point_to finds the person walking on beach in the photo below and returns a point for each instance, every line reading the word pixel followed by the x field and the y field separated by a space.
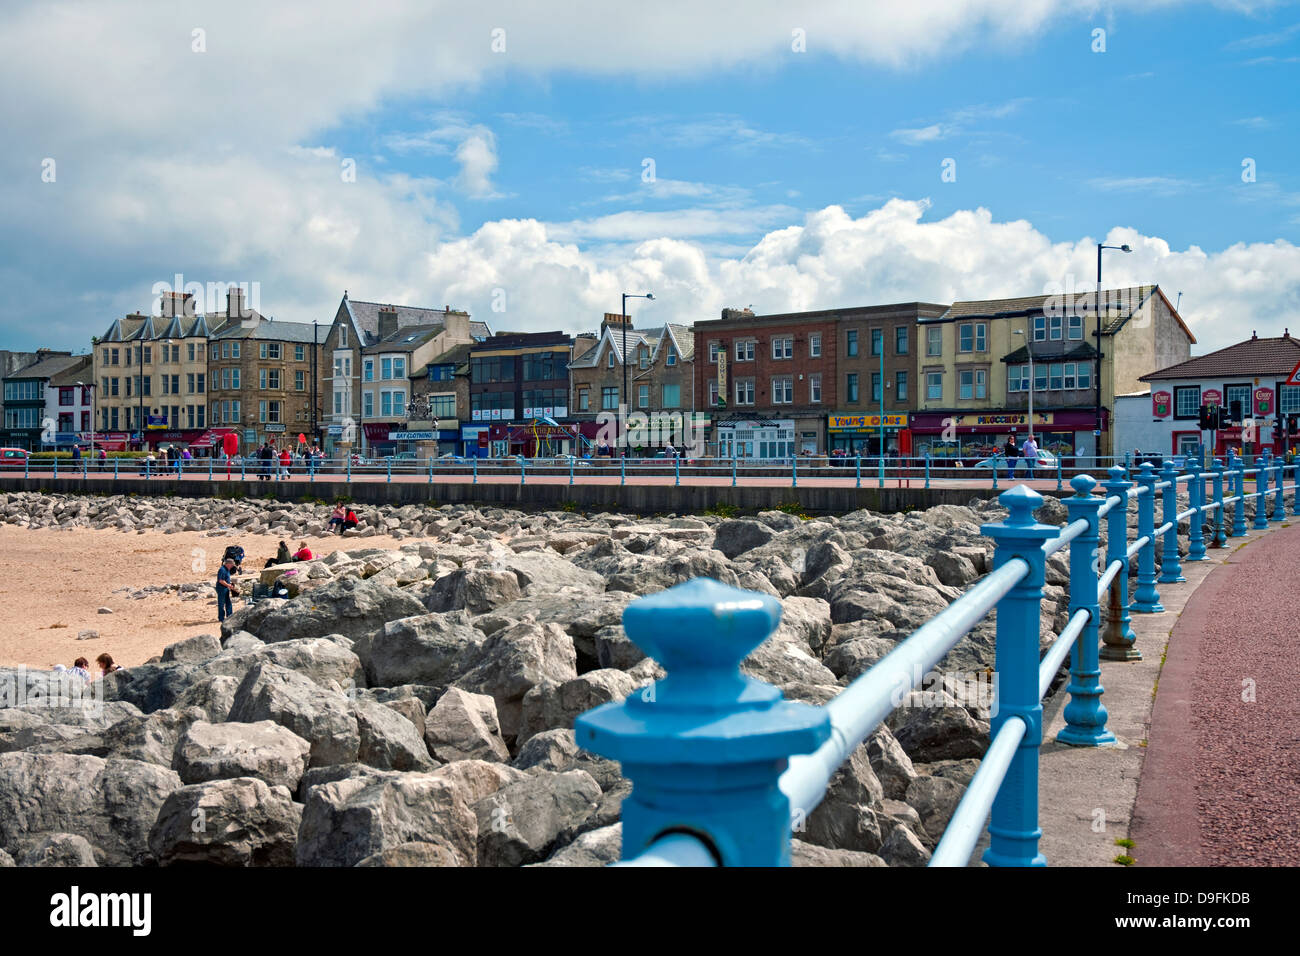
pixel 225 588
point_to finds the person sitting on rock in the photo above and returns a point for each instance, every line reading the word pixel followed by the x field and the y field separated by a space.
pixel 303 553
pixel 337 518
pixel 106 665
pixel 350 520
pixel 80 667
pixel 282 555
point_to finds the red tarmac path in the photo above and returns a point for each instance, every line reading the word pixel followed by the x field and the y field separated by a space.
pixel 1220 785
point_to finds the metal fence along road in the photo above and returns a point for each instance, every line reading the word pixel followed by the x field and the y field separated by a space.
pixel 722 767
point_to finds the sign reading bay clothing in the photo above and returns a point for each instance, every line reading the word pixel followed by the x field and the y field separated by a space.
pixel 410 436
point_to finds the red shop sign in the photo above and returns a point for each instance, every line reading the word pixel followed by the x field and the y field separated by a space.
pixel 1160 402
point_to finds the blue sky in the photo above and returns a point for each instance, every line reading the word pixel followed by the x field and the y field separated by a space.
pixel 782 179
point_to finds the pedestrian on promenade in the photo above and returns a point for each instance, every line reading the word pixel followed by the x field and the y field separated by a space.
pixel 1012 453
pixel 268 462
pixel 225 588
pixel 286 460
pixel 103 460
pixel 76 453
pixel 1029 451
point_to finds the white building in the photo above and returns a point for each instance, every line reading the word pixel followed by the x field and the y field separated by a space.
pixel 1251 375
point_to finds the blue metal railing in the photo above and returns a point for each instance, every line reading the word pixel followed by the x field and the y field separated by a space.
pixel 722 767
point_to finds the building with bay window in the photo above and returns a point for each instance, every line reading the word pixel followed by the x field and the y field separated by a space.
pixel 975 377
pixel 27 394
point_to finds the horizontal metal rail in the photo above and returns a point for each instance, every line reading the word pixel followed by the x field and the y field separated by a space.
pixel 1137 546
pixel 1072 531
pixel 858 709
pixel 1186 514
pixel 1060 647
pixel 1104 581
pixel 1111 502
pixel 675 849
pixel 967 822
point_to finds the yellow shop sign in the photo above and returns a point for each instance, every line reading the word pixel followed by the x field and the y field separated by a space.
pixel 851 423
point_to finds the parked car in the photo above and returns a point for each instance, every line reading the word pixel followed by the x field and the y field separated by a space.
pixel 11 458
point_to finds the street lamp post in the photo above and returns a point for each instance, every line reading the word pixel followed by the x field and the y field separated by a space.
pixel 623 316
pixel 1100 246
pixel 1030 349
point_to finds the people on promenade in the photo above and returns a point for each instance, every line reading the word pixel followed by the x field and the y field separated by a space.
pixel 286 461
pixel 1012 453
pixel 225 589
pixel 1029 451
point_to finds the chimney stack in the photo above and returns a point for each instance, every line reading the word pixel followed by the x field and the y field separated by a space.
pixel 387 320
pixel 737 313
pixel 176 304
pixel 235 303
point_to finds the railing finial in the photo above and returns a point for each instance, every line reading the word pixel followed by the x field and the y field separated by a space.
pixel 1083 485
pixel 705 746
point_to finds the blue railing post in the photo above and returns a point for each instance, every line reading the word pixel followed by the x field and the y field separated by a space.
pixel 1013 829
pixel 705 746
pixel 389 462
pixel 523 468
pixel 1171 569
pixel 1195 500
pixel 1059 475
pixel 794 472
pixel 622 470
pixel 148 469
pixel 349 468
pixel 56 466
pixel 27 465
pixel 927 468
pixel 430 470
pixel 858 460
pixel 1239 489
pixel 1146 598
pixel 209 468
pixel 994 469
pixel 243 465
pixel 1085 716
pixel 1295 488
pixel 572 462
pixel 475 462
pixel 1279 506
pixel 85 467
pixel 733 471
pixel 677 471
pixel 1217 537
pixel 1261 487
pixel 115 461
pixel 1119 636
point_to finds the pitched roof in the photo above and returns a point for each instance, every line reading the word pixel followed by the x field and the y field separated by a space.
pixel 457 355
pixel 138 327
pixel 1255 356
pixel 1118 307
pixel 298 332
pixel 48 367
pixel 365 318
pixel 479 331
pixel 614 342
pixel 405 339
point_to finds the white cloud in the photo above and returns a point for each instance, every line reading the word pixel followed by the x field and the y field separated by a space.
pixel 926 134
pixel 477 156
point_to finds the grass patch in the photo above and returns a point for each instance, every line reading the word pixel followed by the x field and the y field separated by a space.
pixel 1125 842
pixel 569 507
pixel 794 508
pixel 722 509
pixel 1125 860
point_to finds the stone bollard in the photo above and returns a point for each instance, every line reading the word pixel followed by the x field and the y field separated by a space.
pixel 1085 716
pixel 705 746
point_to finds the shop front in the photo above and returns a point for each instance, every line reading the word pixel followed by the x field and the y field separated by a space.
pixel 378 444
pixel 172 439
pixel 861 434
pixel 971 437
pixel 534 439
pixel 772 439
pixel 475 443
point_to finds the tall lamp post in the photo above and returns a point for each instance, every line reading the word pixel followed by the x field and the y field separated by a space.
pixel 1030 349
pixel 139 349
pixel 623 315
pixel 1097 434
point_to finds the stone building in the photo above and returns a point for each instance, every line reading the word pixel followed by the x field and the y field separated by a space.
pixel 26 397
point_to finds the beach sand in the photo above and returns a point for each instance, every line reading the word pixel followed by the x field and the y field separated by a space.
pixel 54 583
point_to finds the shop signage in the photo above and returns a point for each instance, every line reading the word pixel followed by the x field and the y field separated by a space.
pixel 722 378
pixel 275 428
pixel 848 423
pixel 1013 418
pixel 410 436
pixel 250 434
pixel 1211 396
pixel 334 430
pixel 1161 403
pixel 1264 401
pixel 157 421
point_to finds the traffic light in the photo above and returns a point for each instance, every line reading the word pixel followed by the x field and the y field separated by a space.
pixel 1234 411
pixel 1293 424
pixel 1209 417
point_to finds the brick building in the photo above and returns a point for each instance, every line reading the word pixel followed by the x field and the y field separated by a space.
pixel 262 375
pixel 768 381
pixel 516 380
pixel 444 382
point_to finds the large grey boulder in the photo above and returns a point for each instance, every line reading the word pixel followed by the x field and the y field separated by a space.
pixel 322 717
pixel 426 649
pixel 328 661
pixel 266 750
pixel 520 823
pixel 781 661
pixel 734 538
pixel 934 799
pixel 938 728
pixel 212 695
pixel 151 687
pixel 58 849
pixel 477 779
pixel 192 650
pixel 952 569
pixel 890 762
pixel 476 590
pixel 464 725
pixel 349 820
pixel 803 853
pixel 903 848
pixel 599 847
pixel 111 803
pixel 846 819
pixel 348 606
pixel 388 740
pixel 550 706
pixel 436 852
pixel 236 822
pixel 149 737
pixel 540 572
pixel 516 659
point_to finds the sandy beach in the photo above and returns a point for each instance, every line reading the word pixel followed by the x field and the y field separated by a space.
pixel 54 583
